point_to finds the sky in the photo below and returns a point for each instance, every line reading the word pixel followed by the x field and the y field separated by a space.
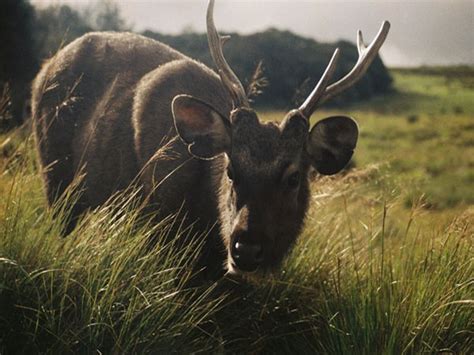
pixel 422 33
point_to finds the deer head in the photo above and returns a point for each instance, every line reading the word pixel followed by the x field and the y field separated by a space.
pixel 265 193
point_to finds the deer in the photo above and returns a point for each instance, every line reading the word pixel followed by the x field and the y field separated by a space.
pixel 105 104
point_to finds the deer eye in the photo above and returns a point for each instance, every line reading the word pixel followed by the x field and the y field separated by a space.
pixel 293 180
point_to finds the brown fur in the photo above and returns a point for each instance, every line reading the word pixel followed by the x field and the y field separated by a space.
pixel 102 107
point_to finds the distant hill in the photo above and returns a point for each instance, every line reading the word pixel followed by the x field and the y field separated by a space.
pixel 292 64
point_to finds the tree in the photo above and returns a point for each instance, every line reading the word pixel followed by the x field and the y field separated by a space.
pixel 56 26
pixel 292 64
pixel 18 60
pixel 105 16
pixel 28 37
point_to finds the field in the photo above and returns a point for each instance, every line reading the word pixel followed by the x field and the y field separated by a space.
pixel 384 266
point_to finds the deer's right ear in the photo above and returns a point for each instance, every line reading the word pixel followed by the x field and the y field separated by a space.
pixel 204 130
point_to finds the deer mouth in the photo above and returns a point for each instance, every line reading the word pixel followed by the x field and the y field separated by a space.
pixel 234 268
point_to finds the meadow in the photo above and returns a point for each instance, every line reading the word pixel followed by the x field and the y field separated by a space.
pixel 384 265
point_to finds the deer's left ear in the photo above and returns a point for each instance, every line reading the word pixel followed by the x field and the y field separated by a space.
pixel 204 130
pixel 331 143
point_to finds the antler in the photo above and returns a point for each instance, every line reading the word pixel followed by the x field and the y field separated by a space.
pixel 322 92
pixel 228 77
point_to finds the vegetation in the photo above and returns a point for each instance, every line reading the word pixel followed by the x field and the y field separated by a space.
pixel 424 133
pixel 18 61
pixel 30 36
pixel 291 65
pixel 57 25
pixel 384 264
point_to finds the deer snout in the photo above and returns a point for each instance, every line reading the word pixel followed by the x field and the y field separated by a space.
pixel 247 254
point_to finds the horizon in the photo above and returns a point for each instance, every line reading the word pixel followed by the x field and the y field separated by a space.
pixel 446 26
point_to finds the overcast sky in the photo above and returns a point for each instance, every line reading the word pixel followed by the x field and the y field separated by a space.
pixel 423 32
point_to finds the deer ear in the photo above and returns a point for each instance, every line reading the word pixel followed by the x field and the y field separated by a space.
pixel 331 143
pixel 204 130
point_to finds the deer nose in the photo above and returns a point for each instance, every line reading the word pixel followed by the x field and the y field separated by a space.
pixel 247 256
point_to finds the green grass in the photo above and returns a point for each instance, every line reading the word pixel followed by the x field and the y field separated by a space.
pixel 384 264
pixel 422 134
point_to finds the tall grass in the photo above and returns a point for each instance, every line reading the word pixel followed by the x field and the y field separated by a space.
pixel 367 276
pixel 104 287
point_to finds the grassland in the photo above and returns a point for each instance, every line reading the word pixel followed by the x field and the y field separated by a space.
pixel 384 264
pixel 422 134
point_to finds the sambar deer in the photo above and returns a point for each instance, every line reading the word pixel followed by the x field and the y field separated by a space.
pixel 107 102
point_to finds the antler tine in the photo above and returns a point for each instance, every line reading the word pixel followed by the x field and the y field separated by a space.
pixel 308 106
pixel 228 77
pixel 361 47
pixel 322 92
pixel 224 39
pixel 366 56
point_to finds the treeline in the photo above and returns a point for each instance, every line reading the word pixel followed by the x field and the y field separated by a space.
pixel 290 64
pixel 31 35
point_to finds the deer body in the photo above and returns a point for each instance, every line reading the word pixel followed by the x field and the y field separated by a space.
pixel 102 107
pixel 109 107
pixel 103 104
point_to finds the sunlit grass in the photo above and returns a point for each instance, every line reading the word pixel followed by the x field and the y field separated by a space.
pixel 423 134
